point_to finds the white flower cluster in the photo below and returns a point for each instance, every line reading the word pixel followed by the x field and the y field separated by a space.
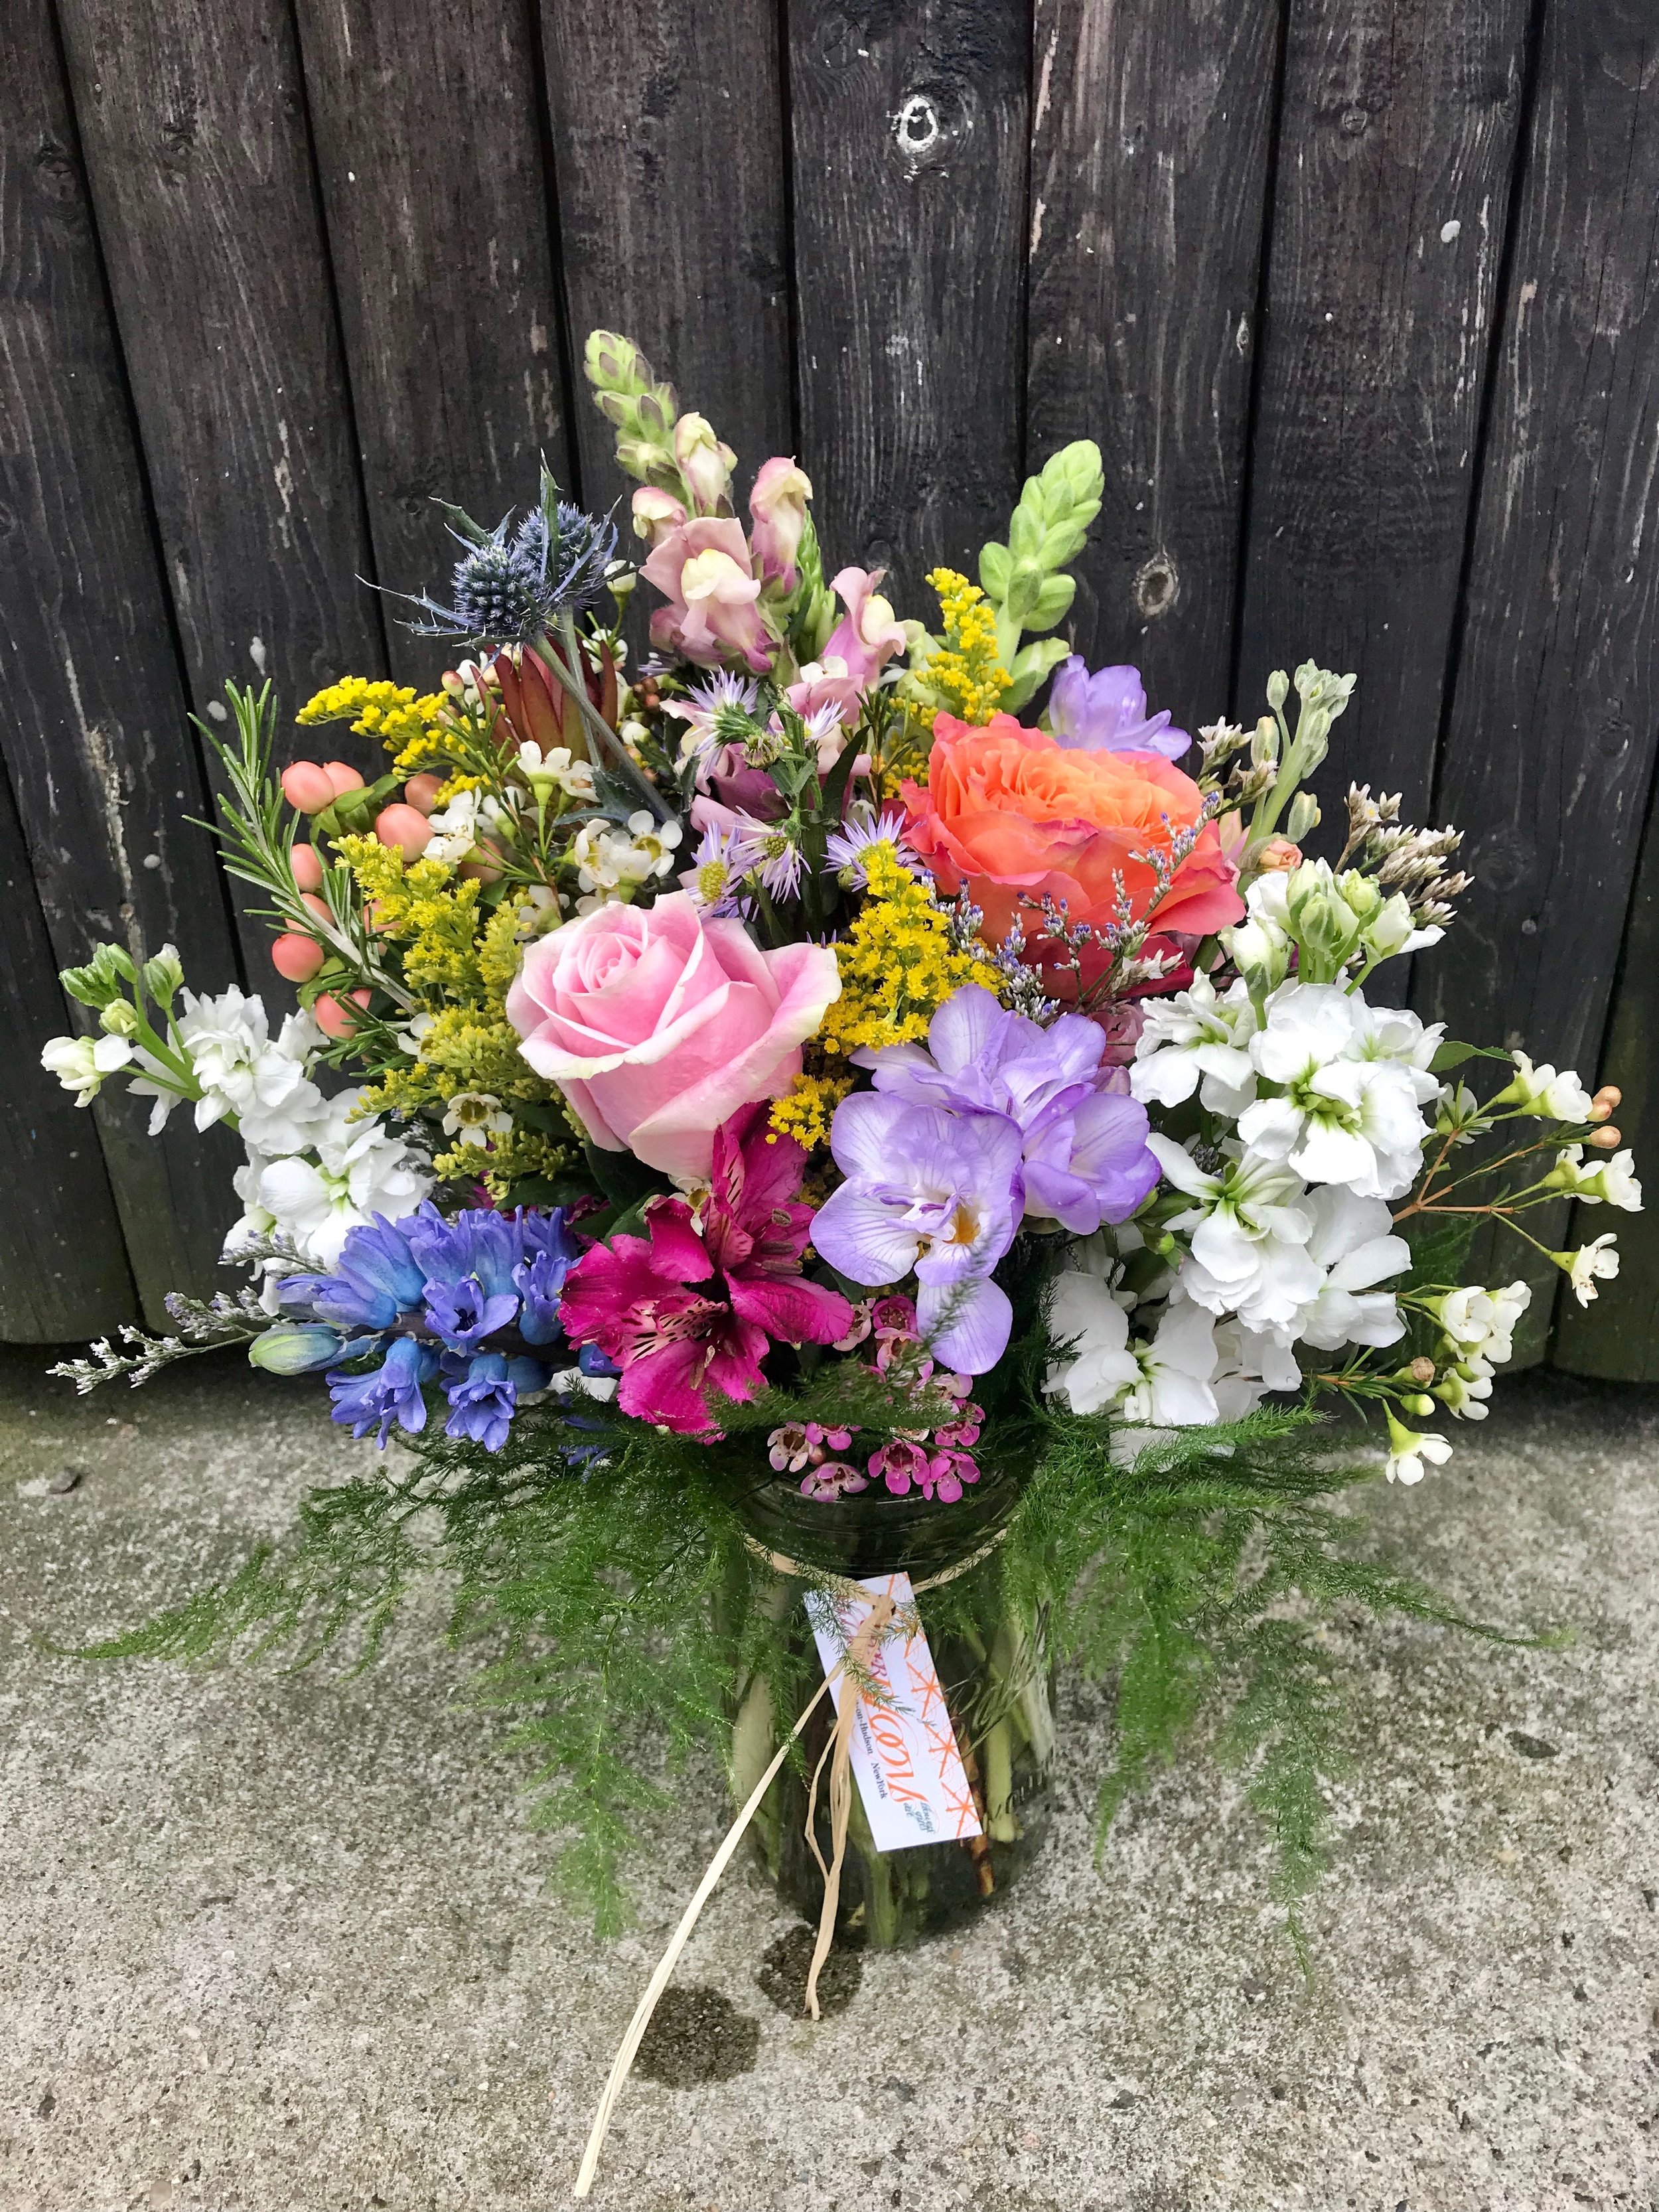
pixel 315 1169
pixel 609 867
pixel 1286 1238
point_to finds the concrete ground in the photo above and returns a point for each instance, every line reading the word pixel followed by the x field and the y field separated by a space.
pixel 275 1940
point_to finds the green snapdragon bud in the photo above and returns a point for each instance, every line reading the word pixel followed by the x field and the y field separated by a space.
pixel 1023 580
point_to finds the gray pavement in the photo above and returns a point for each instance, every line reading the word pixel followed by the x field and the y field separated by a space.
pixel 274 1941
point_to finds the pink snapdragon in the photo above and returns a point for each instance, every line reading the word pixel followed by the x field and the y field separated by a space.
pixel 777 505
pixel 703 569
pixel 657 513
pixel 869 634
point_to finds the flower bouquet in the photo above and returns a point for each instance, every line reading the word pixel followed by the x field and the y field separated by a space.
pixel 838 1108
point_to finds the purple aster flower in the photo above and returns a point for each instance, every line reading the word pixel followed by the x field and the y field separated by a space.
pixel 845 849
pixel 939 1192
pixel 767 849
pixel 1106 713
pixel 392 1393
pixel 714 879
pixel 1085 1154
pixel 716 713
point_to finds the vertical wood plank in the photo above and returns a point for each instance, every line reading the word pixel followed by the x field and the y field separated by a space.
pixel 911 145
pixel 428 151
pixel 1618 1337
pixel 1149 145
pixel 1396 147
pixel 668 135
pixel 192 118
pixel 1551 738
pixel 102 761
pixel 63 1272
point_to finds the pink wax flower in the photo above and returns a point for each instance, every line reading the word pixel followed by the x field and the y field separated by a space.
pixel 789 1448
pixel 658 1024
pixel 834 1479
pixel 869 634
pixel 949 1471
pixel 902 1465
pixel 636 1298
pixel 835 1440
pixel 702 569
pixel 777 506
pixel 963 1432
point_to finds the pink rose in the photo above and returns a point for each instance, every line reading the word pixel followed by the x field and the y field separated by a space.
pixel 658 1024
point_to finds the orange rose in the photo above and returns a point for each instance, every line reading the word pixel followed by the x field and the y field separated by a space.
pixel 1015 817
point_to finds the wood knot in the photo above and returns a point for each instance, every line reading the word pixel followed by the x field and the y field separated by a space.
pixel 1157 586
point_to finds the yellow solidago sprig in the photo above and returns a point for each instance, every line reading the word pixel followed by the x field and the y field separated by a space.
pixel 458 957
pixel 900 961
pixel 965 676
pixel 406 723
pixel 805 1111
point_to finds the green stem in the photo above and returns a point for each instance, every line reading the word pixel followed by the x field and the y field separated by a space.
pixel 610 745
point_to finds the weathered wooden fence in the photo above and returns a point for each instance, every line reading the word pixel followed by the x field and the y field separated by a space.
pixel 1357 296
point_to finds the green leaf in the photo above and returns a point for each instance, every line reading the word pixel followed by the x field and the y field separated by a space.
pixel 1452 1054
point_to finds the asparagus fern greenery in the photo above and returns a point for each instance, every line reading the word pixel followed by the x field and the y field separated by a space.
pixel 629 1601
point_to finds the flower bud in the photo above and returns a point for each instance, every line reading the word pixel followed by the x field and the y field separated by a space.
pixel 1279 688
pixel 120 1018
pixel 1278 856
pixel 297 958
pixel 164 974
pixel 334 1019
pixel 1418 1403
pixel 704 464
pixel 1361 895
pixel 1421 1369
pixel 1605 1099
pixel 1606 1138
pixel 655 513
pixel 1304 817
pixel 307 786
pixel 307 863
pixel 406 828
pixel 296 1347
pixel 1264 743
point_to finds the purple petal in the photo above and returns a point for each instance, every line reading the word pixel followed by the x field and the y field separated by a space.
pixel 966 1325
pixel 862 1238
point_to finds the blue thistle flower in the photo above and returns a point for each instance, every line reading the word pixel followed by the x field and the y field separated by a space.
pixel 512 584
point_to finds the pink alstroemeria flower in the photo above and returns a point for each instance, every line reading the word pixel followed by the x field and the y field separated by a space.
pixel 702 569
pixel 869 634
pixel 700 1301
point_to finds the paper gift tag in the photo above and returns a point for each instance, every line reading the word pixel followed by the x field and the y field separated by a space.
pixel 904 1755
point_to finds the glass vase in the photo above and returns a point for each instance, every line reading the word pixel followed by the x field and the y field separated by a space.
pixel 994 1671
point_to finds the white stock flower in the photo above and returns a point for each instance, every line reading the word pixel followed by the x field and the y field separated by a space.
pixel 242 1070
pixel 1084 1315
pixel 1196 1035
pixel 81 1063
pixel 355 1171
pixel 1172 1389
pixel 1249 1235
pixel 1591 1264
pixel 1539 1090
pixel 1347 1109
pixel 1353 1241
pixel 1261 944
pixel 1409 1450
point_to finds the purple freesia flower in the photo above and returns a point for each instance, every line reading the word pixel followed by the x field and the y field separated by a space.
pixel 1106 713
pixel 1085 1154
pixel 939 1192
pixel 392 1393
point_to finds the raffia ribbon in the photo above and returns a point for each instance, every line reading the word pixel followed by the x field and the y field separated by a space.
pixel 838 1752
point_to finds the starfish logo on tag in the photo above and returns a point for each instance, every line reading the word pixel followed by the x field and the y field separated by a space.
pixel 905 1757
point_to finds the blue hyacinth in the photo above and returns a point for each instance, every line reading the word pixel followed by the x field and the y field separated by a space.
pixel 453 1301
